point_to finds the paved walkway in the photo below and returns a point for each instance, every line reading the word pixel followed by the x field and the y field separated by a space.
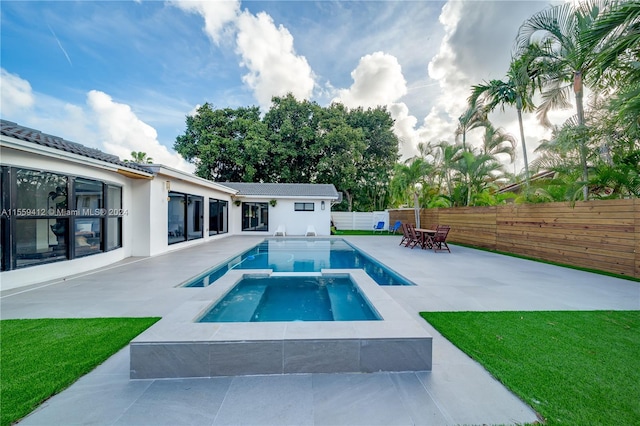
pixel 456 391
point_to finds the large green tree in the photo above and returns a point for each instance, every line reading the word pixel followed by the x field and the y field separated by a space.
pixel 378 158
pixel 296 142
pixel 226 145
pixel 292 132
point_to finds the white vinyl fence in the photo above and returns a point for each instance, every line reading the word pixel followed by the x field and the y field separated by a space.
pixel 364 221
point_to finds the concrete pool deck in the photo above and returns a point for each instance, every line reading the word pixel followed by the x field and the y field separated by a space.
pixel 456 391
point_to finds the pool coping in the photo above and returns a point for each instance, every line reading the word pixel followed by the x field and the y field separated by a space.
pixel 179 346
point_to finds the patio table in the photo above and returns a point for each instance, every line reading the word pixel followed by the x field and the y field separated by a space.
pixel 424 241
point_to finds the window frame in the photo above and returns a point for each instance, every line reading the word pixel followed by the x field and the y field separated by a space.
pixel 46 211
pixel 304 206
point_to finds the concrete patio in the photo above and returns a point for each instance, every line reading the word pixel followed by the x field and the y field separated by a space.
pixel 456 391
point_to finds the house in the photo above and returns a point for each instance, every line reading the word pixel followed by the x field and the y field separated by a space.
pixel 67 208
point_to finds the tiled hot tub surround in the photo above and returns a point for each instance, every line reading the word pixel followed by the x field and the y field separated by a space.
pixel 179 346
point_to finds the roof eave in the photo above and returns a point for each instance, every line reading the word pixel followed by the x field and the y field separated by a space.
pixel 34 148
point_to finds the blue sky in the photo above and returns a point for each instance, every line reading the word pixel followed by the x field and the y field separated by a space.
pixel 122 75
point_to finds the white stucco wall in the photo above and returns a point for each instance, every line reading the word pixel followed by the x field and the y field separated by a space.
pixel 59 164
pixel 295 222
pixel 157 211
pixel 145 201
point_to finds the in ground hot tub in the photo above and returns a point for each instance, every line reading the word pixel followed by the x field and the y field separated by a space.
pixel 292 298
pixel 179 345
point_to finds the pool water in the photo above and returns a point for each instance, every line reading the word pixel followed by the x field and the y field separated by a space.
pixel 303 255
pixel 292 298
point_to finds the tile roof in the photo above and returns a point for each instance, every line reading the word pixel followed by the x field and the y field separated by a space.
pixel 284 189
pixel 27 134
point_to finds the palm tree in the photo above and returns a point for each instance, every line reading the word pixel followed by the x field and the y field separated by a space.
pixel 515 90
pixel 140 158
pixel 409 179
pixel 618 34
pixel 567 58
pixel 445 157
pixel 497 141
pixel 479 170
pixel 475 116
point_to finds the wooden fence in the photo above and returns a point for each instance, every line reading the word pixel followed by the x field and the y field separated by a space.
pixel 603 235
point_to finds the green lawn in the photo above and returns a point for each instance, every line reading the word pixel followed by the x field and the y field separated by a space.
pixel 42 357
pixel 573 368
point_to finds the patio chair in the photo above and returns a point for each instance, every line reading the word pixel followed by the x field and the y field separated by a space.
pixel 405 234
pixel 311 231
pixel 415 237
pixel 379 226
pixel 280 232
pixel 395 227
pixel 438 241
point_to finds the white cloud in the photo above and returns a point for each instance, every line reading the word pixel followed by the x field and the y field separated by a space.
pixel 476 47
pixel 217 14
pixel 266 50
pixel 377 80
pixel 268 53
pixel 15 92
pixel 121 132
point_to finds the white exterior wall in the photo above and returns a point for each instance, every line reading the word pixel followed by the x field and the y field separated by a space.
pixel 145 223
pixel 157 214
pixel 144 226
pixel 295 222
pixel 51 271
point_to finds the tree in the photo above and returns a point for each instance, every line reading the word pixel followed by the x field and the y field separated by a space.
pixel 567 58
pixel 296 142
pixel 226 144
pixel 409 180
pixel 445 157
pixel 378 158
pixel 479 170
pixel 341 152
pixel 292 132
pixel 140 158
pixel 617 73
pixel 515 90
pixel 475 116
pixel 498 141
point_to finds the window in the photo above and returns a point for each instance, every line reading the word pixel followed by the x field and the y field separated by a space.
pixel 49 217
pixel 185 217
pixel 195 216
pixel 114 212
pixel 176 218
pixel 39 218
pixel 218 216
pixel 255 216
pixel 89 209
pixel 304 207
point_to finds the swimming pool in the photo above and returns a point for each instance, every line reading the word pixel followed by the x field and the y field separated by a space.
pixel 292 298
pixel 303 256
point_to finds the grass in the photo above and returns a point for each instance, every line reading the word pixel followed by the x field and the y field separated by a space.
pixel 572 367
pixel 42 357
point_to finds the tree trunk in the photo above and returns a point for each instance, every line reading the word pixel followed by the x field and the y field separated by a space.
pixel 524 143
pixel 577 89
pixel 416 206
pixel 349 201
